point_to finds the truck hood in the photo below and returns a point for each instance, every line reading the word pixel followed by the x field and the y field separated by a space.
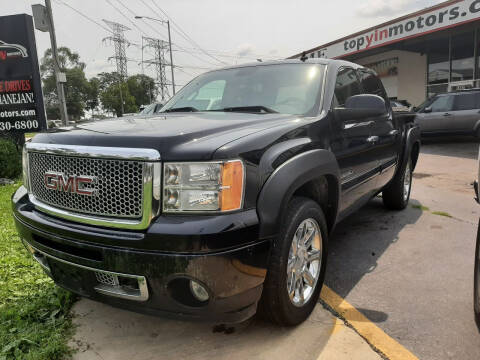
pixel 192 136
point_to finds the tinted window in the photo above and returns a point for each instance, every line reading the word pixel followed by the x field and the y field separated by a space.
pixel 467 101
pixel 347 85
pixel 442 103
pixel 371 84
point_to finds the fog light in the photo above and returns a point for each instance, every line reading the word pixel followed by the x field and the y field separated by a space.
pixel 200 293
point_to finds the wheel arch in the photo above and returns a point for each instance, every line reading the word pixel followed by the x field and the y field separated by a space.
pixel 313 174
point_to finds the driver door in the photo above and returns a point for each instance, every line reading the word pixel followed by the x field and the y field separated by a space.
pixel 352 146
pixel 439 115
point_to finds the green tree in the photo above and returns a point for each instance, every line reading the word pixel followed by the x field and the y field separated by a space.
pixel 77 86
pixel 93 93
pixel 110 98
pixel 143 89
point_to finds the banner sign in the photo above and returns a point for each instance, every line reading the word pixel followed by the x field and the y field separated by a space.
pixel 421 23
pixel 385 68
pixel 21 98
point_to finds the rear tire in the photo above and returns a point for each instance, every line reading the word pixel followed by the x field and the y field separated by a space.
pixel 397 194
pixel 297 264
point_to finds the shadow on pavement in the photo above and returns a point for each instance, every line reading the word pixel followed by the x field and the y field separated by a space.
pixel 359 241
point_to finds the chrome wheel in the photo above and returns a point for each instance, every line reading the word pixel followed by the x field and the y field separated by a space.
pixel 407 180
pixel 304 262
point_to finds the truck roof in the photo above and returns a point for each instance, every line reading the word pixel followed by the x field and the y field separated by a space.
pixel 329 62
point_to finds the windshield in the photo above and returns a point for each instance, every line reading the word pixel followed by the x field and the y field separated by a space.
pixel 284 88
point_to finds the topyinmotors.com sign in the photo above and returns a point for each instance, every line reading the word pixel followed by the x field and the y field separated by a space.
pixel 422 23
pixel 21 98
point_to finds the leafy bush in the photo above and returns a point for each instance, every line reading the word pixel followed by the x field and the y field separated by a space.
pixel 10 159
pixel 35 320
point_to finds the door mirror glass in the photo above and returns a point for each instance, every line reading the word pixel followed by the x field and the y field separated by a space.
pixel 361 107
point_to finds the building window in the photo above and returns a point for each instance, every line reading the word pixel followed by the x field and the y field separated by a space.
pixel 462 57
pixel 438 61
pixel 438 66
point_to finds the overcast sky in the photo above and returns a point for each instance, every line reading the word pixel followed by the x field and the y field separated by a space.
pixel 228 31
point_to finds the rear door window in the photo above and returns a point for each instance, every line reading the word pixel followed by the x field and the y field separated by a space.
pixel 468 101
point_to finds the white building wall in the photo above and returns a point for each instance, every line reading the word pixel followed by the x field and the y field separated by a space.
pixel 411 79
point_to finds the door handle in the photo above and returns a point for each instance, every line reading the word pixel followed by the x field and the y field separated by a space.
pixel 393 133
pixel 447 114
pixel 373 139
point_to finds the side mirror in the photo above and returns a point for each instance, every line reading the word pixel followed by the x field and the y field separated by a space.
pixel 360 107
pixel 427 110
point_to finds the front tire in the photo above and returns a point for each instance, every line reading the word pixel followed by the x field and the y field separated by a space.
pixel 397 194
pixel 297 264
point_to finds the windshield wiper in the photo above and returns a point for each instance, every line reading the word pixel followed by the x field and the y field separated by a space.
pixel 182 109
pixel 255 109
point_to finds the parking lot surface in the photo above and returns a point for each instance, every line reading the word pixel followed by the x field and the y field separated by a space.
pixel 108 333
pixel 409 272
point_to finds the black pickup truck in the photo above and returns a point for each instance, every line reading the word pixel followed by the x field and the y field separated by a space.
pixel 222 203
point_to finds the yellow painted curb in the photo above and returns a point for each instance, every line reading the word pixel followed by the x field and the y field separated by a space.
pixel 375 336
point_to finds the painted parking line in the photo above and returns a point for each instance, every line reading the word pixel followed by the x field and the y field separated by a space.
pixel 375 336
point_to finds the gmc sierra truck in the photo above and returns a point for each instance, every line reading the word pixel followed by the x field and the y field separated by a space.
pixel 224 201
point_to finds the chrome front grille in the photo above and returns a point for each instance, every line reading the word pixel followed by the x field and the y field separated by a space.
pixel 100 186
pixel 118 188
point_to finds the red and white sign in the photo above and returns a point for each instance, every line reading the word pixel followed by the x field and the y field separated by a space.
pixel 452 14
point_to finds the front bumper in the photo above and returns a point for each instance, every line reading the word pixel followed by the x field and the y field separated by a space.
pixel 127 270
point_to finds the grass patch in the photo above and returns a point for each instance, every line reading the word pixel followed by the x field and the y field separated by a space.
pixel 34 313
pixel 442 213
pixel 421 207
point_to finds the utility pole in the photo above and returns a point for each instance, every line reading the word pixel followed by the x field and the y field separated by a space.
pixel 159 47
pixel 171 56
pixel 120 43
pixel 59 76
pixel 169 44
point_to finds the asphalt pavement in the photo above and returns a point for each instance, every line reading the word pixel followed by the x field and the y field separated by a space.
pixel 411 272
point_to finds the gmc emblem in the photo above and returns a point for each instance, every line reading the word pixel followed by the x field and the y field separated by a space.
pixel 70 184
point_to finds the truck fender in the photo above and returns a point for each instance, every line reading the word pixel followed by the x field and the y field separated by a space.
pixel 288 178
pixel 412 141
pixel 476 127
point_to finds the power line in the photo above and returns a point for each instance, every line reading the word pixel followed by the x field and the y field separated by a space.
pixel 126 17
pixel 134 14
pixel 181 32
pixel 185 35
pixel 83 15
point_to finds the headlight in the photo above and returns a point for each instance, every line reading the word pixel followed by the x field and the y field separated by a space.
pixel 26 180
pixel 203 187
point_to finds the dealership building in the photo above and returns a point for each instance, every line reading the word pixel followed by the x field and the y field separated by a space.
pixel 428 52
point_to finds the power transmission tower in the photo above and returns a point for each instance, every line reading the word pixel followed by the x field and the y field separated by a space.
pixel 159 47
pixel 120 43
